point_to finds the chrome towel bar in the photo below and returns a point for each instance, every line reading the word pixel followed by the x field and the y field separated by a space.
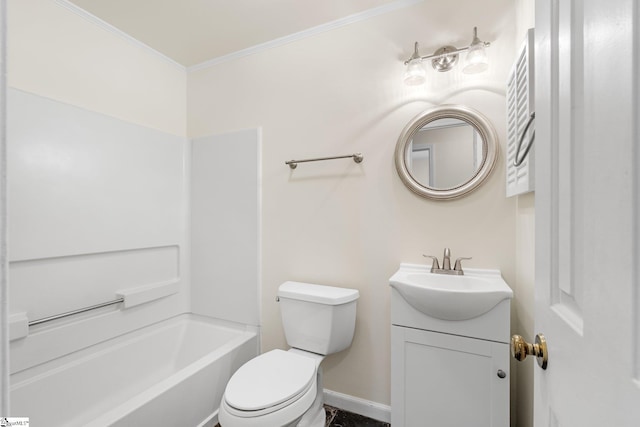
pixel 357 157
pixel 78 311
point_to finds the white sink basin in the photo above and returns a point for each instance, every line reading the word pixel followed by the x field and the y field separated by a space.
pixel 449 297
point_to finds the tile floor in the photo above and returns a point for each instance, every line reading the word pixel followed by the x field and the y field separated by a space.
pixel 339 418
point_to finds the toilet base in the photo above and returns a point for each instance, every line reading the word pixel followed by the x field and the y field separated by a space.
pixel 316 415
pixel 315 418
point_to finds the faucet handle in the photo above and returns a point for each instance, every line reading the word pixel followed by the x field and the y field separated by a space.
pixel 458 265
pixel 435 265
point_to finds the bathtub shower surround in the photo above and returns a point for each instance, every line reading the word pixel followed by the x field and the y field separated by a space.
pixel 96 206
pixel 170 373
pixel 225 175
pixel 97 213
pixel 100 214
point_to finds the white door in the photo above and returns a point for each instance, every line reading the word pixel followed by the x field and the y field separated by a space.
pixel 587 209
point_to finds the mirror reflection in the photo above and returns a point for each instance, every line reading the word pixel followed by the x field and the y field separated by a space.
pixel 445 153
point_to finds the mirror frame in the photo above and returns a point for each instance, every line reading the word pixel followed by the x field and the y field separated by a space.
pixel 489 150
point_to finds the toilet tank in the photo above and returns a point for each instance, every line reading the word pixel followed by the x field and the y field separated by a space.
pixel 317 318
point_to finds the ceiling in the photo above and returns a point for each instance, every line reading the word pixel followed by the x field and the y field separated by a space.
pixel 194 31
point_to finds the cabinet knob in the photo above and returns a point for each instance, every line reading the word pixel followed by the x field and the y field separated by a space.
pixel 501 373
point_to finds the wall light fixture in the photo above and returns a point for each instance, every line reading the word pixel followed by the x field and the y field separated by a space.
pixel 445 58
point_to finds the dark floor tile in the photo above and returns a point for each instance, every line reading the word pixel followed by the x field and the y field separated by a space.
pixel 339 418
pixel 331 414
pixel 349 419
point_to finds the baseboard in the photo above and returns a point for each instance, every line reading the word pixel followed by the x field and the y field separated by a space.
pixel 369 409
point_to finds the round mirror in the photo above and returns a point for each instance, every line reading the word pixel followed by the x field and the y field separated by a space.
pixel 446 152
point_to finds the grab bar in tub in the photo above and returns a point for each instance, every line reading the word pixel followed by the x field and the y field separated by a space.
pixel 78 311
pixel 19 322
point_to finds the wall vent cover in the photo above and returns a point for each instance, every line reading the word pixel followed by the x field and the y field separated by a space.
pixel 520 106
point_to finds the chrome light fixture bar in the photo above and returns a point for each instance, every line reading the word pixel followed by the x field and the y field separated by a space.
pixel 445 58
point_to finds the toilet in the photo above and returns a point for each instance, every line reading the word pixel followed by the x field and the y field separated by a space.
pixel 284 388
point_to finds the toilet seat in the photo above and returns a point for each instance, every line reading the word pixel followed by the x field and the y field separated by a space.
pixel 287 415
pixel 270 382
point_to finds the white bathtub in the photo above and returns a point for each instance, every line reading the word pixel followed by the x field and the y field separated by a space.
pixel 172 373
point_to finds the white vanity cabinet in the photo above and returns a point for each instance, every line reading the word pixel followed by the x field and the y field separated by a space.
pixel 449 373
pixel 446 380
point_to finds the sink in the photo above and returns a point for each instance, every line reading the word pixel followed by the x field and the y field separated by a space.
pixel 449 297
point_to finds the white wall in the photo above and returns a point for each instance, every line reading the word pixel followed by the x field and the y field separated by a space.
pixel 344 224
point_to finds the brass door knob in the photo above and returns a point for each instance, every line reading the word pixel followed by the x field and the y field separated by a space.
pixel 520 349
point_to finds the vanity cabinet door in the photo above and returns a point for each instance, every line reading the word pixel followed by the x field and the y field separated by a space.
pixel 442 380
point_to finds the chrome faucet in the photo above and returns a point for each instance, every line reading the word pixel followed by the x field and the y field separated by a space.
pixel 446 264
pixel 446 259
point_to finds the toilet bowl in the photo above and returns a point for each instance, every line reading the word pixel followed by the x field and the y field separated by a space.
pixel 284 388
pixel 274 389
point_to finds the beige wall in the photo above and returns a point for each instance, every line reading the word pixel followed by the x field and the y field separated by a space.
pixel 343 224
pixel 522 319
pixel 58 54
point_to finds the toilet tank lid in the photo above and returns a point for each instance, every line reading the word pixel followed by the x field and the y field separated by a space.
pixel 321 294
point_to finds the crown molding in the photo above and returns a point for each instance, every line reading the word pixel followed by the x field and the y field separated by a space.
pixel 338 23
pixel 113 30
pixel 347 20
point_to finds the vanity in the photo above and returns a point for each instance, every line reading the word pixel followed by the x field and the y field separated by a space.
pixel 449 348
pixel 450 326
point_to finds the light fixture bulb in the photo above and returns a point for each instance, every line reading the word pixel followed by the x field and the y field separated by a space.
pixel 415 74
pixel 477 60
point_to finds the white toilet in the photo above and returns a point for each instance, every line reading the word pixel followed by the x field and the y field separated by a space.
pixel 284 388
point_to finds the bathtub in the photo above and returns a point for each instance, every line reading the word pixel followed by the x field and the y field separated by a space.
pixel 172 373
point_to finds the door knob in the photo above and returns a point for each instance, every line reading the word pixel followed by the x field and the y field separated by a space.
pixel 520 349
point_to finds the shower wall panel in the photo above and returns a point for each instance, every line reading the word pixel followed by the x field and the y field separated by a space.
pixel 96 205
pixel 225 226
